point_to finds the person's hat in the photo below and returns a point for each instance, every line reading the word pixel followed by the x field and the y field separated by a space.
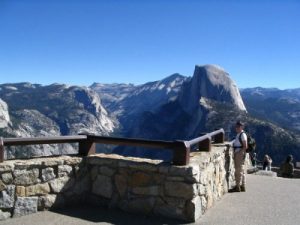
pixel 239 123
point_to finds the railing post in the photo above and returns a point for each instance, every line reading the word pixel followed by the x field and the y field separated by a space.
pixel 220 137
pixel 181 153
pixel 87 147
pixel 205 145
pixel 1 150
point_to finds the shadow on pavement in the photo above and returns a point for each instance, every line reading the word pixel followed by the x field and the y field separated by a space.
pixel 113 216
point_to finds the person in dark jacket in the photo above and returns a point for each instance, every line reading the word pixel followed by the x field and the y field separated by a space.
pixel 287 168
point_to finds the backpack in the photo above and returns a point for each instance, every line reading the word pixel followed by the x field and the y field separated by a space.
pixel 251 142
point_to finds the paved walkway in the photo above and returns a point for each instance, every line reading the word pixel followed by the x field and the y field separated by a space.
pixel 268 201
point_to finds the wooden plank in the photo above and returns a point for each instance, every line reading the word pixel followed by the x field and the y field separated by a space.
pixel 205 145
pixel 181 153
pixel 131 142
pixel 43 140
pixel 87 147
pixel 87 143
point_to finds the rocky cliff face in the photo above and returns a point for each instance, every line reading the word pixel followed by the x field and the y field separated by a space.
pixel 281 107
pixel 111 94
pixel 174 100
pixel 185 114
pixel 211 82
pixel 52 110
pixel 176 107
pixel 129 102
pixel 208 100
pixel 4 116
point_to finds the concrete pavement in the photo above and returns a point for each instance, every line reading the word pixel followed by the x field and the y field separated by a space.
pixel 268 200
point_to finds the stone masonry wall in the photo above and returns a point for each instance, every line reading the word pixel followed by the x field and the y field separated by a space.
pixel 28 186
pixel 130 184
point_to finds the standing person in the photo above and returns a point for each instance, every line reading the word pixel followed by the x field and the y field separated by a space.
pixel 267 163
pixel 254 159
pixel 269 166
pixel 287 168
pixel 240 145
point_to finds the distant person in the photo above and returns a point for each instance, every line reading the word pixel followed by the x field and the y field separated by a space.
pixel 287 168
pixel 239 157
pixel 267 164
pixel 254 159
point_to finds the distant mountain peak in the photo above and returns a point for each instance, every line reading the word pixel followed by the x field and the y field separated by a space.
pixel 211 67
pixel 212 82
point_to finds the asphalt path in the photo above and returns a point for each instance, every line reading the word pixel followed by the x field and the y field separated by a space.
pixel 267 201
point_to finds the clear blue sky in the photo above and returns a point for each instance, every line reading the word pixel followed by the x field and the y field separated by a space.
pixel 81 42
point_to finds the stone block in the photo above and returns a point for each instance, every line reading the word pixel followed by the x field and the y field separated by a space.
pixel 184 171
pixel 6 167
pixel 203 177
pixel 82 185
pixel 94 172
pixel 107 171
pixel 2 186
pixel 203 204
pixel 180 189
pixel 149 191
pixel 4 215
pixel 27 165
pixel 81 172
pixel 50 201
pixel 121 184
pixel 193 209
pixel 73 160
pixel 209 198
pixel 202 189
pixel 176 179
pixel 158 179
pixel 147 167
pixel 48 174
pixel 61 184
pixel 38 189
pixel 25 206
pixel 51 162
pixel 175 202
pixel 99 161
pixel 140 179
pixel 102 186
pixel 7 197
pixel 65 170
pixel 26 177
pixel 7 178
pixel 163 169
pixel 20 191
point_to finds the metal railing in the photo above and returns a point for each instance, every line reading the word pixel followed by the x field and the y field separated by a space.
pixel 87 144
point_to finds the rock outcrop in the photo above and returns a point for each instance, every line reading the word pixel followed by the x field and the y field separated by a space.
pixel 4 115
pixel 211 82
pixel 52 110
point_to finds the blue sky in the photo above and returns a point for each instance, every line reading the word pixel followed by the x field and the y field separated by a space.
pixel 80 42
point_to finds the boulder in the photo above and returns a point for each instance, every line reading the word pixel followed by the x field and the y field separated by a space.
pixel 25 206
pixel 7 197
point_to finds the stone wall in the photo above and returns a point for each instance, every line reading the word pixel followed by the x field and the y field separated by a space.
pixel 130 184
pixel 28 186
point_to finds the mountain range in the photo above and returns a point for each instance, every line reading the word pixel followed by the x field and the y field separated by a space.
pixel 177 107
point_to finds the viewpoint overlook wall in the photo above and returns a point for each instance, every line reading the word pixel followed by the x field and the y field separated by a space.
pixel 131 184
